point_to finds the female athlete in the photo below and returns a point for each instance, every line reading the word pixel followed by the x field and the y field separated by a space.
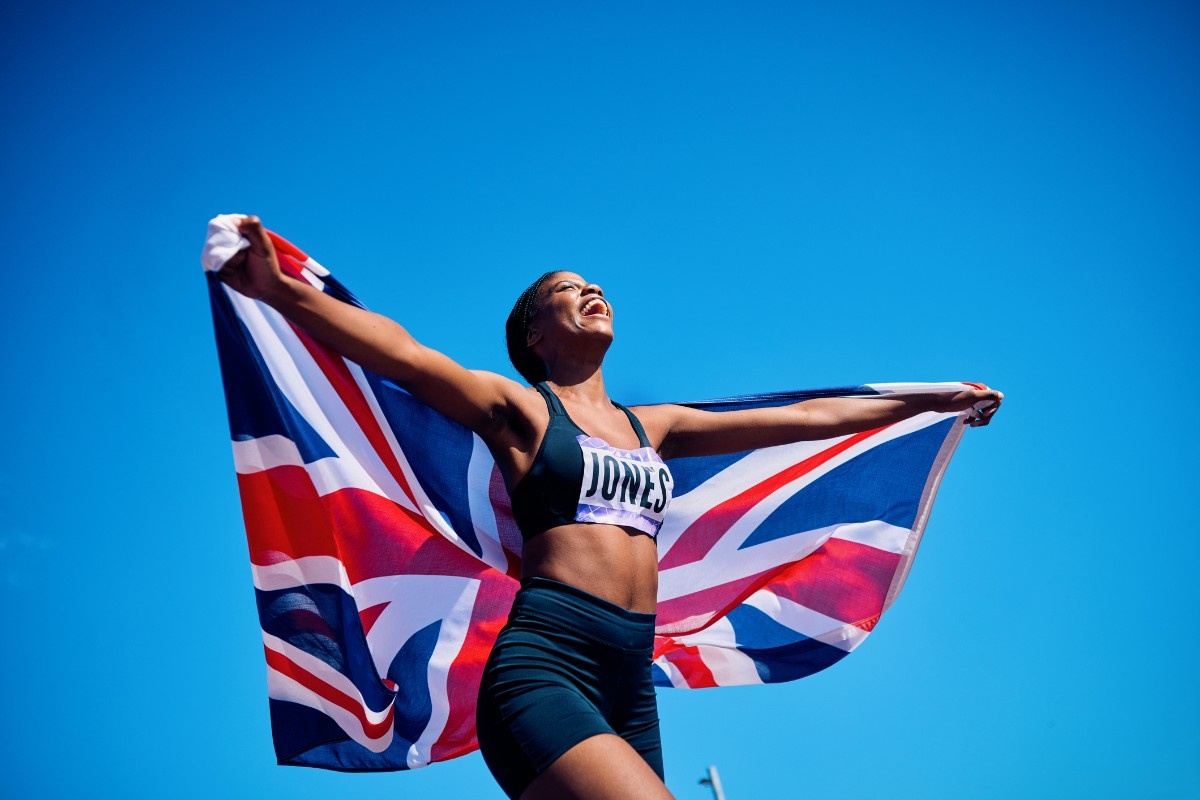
pixel 566 707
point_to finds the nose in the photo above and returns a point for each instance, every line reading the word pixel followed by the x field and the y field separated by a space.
pixel 592 288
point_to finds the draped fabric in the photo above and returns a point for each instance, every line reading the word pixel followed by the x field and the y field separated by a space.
pixel 385 558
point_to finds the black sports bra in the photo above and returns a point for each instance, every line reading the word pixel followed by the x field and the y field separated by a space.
pixel 581 478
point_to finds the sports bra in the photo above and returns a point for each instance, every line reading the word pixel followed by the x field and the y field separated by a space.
pixel 581 478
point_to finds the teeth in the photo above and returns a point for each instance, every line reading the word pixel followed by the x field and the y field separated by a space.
pixel 587 309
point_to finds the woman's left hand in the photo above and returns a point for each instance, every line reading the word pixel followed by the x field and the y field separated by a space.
pixel 984 403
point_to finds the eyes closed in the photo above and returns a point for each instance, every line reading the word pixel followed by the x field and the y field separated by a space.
pixel 564 285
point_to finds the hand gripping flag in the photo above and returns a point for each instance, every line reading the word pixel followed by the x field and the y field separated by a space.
pixel 385 557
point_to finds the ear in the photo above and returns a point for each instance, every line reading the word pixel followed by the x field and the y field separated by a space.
pixel 532 337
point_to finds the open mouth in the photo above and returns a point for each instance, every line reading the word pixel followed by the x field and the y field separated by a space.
pixel 597 305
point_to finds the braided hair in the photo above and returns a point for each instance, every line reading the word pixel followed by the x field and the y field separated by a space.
pixel 516 331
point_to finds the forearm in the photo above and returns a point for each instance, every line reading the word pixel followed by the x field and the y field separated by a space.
pixel 827 417
pixel 476 400
pixel 372 340
pixel 692 432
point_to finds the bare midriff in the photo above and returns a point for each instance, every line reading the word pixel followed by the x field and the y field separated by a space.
pixel 604 560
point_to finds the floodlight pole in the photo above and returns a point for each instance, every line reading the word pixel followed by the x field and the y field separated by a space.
pixel 714 780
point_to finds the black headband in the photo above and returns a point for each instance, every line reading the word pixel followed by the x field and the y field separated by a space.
pixel 527 304
pixel 516 331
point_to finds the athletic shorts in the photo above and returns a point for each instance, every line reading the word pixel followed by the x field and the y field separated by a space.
pixel 566 667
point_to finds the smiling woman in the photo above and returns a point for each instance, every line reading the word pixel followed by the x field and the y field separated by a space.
pixel 567 706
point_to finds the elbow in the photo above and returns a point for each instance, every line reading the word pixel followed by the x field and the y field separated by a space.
pixel 406 360
pixel 811 422
pixel 821 420
pixel 399 360
pixel 814 415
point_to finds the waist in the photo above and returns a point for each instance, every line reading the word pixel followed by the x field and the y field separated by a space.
pixel 577 610
pixel 602 560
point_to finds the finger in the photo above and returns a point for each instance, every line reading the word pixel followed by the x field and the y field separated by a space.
pixel 260 244
pixel 235 263
pixel 982 416
pixel 229 277
pixel 974 415
pixel 988 399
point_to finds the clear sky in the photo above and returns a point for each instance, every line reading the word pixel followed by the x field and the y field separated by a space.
pixel 775 195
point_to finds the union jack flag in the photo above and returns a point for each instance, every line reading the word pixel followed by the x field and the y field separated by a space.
pixel 385 557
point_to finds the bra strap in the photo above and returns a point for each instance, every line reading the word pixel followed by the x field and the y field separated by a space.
pixel 552 402
pixel 556 408
pixel 637 425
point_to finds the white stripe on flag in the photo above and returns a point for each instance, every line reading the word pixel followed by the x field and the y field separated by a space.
pixel 727 560
pixel 301 572
pixel 282 687
pixel 265 452
pixel 807 622
pixel 876 533
pixel 424 504
pixel 414 603
pixel 310 393
pixel 479 499
pixel 717 647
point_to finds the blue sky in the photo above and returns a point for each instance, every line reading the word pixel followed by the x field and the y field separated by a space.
pixel 775 195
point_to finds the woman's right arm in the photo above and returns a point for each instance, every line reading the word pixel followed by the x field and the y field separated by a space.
pixel 481 401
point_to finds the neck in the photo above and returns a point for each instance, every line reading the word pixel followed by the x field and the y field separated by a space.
pixel 580 383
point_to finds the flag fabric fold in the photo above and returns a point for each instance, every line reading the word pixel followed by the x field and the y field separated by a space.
pixel 385 558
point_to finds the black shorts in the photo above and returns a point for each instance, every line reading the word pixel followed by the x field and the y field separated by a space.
pixel 566 667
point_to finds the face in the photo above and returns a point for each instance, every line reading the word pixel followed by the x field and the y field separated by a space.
pixel 568 304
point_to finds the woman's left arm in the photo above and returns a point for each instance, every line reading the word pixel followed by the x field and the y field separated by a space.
pixel 692 432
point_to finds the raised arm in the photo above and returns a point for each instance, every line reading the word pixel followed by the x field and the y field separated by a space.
pixel 691 432
pixel 479 400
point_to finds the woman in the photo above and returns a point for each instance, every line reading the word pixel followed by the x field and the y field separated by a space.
pixel 566 706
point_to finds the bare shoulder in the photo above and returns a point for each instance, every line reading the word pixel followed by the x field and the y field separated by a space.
pixel 516 395
pixel 501 383
pixel 658 420
pixel 510 396
pixel 523 410
pixel 679 431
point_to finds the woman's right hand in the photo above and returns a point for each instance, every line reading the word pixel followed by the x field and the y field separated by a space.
pixel 255 271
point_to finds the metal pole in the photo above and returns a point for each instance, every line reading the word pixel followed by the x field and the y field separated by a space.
pixel 714 780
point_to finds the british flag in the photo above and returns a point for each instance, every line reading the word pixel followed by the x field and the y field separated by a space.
pixel 385 557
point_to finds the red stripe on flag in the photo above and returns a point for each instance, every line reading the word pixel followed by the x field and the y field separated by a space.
pixel 371 535
pixel 284 516
pixel 696 610
pixel 368 616
pixel 492 605
pixel 338 374
pixel 707 530
pixel 284 247
pixel 691 667
pixel 285 519
pixel 506 528
pixel 291 266
pixel 284 665
pixel 848 581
